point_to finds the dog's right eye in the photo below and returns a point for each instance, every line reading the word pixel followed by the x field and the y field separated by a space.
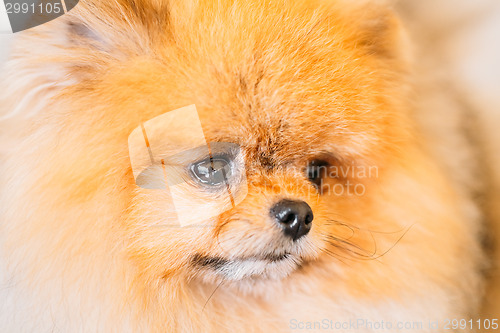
pixel 211 171
pixel 316 171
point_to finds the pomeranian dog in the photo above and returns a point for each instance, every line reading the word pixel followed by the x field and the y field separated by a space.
pixel 341 216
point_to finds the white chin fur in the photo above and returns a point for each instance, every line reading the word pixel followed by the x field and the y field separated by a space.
pixel 236 270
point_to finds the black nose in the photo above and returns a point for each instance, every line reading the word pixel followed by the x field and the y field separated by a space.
pixel 295 217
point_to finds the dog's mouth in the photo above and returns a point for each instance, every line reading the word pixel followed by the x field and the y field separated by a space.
pixel 268 266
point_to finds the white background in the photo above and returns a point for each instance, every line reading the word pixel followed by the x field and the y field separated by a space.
pixel 4 46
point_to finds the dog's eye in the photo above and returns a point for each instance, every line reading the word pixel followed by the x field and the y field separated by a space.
pixel 316 171
pixel 212 171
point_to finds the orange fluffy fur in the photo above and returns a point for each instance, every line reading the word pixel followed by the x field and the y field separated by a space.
pixel 80 244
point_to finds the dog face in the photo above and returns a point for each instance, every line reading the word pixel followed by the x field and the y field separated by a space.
pixel 313 112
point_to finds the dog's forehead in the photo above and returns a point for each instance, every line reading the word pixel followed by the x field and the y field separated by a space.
pixel 269 138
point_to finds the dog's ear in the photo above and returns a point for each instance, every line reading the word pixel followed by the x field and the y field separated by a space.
pixel 376 29
pixel 381 33
pixel 93 33
pixel 79 47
